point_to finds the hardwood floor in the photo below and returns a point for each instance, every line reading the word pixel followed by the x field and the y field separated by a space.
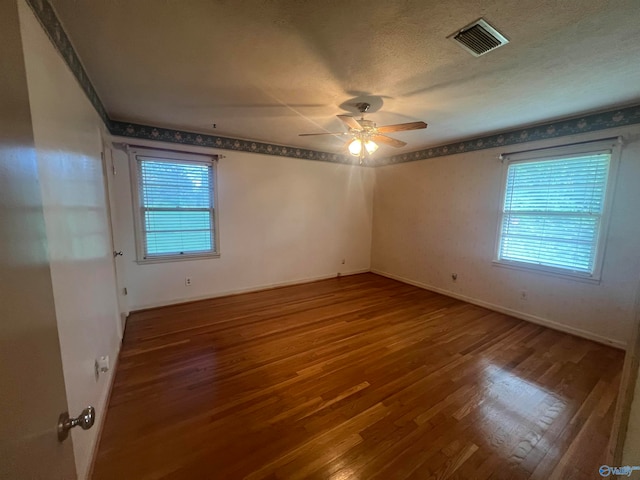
pixel 354 378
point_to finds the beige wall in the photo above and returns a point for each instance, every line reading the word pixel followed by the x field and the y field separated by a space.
pixel 32 393
pixel 281 220
pixel 436 217
pixel 67 133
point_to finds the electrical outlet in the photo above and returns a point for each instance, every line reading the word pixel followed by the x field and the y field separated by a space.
pixel 101 365
pixel 187 281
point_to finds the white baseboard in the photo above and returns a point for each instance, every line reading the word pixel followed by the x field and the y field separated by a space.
pixel 102 408
pixel 255 288
pixel 508 311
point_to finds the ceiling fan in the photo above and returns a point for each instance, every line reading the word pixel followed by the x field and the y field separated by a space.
pixel 365 133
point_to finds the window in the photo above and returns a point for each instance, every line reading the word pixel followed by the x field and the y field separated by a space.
pixel 175 212
pixel 554 209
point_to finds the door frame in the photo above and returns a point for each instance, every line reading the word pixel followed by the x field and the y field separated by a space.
pixel 110 171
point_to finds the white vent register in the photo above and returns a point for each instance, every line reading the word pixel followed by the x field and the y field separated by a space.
pixel 479 38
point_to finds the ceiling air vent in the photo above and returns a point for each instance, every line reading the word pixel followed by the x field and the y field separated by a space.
pixel 479 38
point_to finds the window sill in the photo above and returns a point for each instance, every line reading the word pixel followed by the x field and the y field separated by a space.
pixel 554 272
pixel 177 258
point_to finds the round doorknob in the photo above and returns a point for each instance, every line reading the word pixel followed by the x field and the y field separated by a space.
pixel 85 420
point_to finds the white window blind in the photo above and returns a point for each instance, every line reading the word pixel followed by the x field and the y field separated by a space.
pixel 552 212
pixel 177 208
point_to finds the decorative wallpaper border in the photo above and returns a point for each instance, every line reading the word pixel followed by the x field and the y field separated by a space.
pixel 134 130
pixel 577 125
pixel 587 123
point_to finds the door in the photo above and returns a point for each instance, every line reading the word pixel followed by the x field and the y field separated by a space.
pixel 120 255
pixel 32 389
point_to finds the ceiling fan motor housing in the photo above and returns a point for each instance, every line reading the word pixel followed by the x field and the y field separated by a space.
pixel 363 107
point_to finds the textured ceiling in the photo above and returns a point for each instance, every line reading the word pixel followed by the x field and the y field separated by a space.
pixel 268 70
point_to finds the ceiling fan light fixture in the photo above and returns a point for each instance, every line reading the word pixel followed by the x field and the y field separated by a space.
pixel 355 147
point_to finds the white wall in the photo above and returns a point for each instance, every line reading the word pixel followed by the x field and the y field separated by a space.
pixel 439 216
pixel 67 133
pixel 281 220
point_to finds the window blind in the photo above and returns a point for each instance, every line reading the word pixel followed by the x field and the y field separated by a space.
pixel 553 210
pixel 177 209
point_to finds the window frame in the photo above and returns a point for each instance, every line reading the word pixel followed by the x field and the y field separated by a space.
pixel 611 146
pixel 136 155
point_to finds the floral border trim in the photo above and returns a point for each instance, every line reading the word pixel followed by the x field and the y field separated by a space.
pixel 577 125
pixel 47 17
pixel 133 130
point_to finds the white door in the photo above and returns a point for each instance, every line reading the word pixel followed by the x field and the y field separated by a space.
pixel 120 253
pixel 32 389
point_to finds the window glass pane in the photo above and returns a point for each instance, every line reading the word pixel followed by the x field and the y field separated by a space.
pixel 165 243
pixel 552 211
pixel 178 232
pixel 560 241
pixel 175 185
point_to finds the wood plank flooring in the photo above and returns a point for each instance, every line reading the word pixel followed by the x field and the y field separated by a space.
pixel 361 377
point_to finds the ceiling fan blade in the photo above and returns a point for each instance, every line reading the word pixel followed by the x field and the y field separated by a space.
pixel 350 122
pixel 388 141
pixel 401 127
pixel 324 133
